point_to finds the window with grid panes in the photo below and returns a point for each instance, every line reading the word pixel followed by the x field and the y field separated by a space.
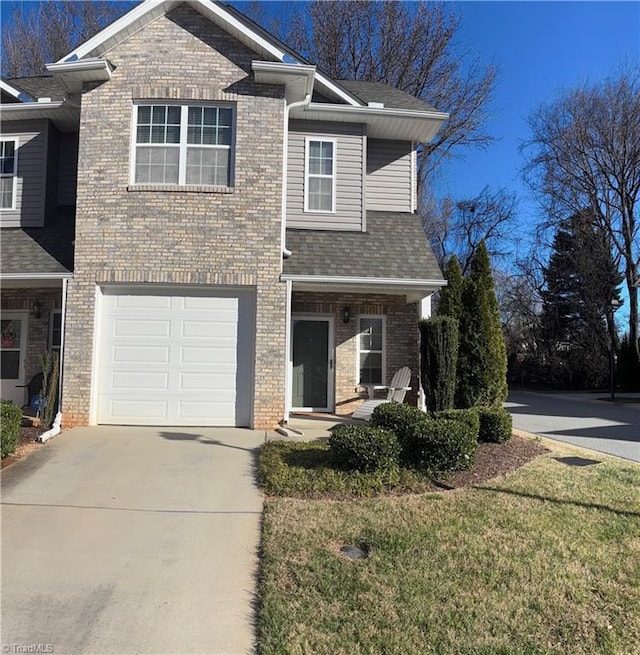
pixel 371 350
pixel 184 144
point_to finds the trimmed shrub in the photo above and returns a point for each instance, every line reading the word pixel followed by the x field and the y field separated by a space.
pixel 439 357
pixel 10 417
pixel 364 448
pixel 495 425
pixel 443 445
pixel 469 417
pixel 396 417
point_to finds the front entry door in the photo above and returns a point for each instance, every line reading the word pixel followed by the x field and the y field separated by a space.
pixel 13 347
pixel 312 378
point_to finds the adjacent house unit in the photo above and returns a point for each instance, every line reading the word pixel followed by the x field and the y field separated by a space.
pixel 208 228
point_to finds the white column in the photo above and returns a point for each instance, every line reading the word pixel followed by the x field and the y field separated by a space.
pixel 425 312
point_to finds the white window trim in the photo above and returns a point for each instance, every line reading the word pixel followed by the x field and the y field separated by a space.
pixel 53 313
pixel 14 191
pixel 182 159
pixel 321 139
pixel 384 348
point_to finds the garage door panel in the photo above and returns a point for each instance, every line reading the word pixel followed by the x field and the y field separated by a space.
pixel 143 329
pixel 139 354
pixel 219 382
pixel 207 355
pixel 221 412
pixel 126 411
pixel 173 359
pixel 137 380
pixel 141 303
pixel 208 329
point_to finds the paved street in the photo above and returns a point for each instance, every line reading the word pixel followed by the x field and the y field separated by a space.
pixel 579 419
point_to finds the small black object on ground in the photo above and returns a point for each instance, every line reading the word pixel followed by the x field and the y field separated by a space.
pixel 355 552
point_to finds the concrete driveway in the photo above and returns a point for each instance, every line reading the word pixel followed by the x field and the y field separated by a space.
pixel 132 540
pixel 579 419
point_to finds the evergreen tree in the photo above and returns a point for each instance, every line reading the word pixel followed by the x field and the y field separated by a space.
pixel 482 357
pixel 450 302
pixel 581 283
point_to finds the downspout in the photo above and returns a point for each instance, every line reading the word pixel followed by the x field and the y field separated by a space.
pixel 287 348
pixel 285 149
pixel 57 422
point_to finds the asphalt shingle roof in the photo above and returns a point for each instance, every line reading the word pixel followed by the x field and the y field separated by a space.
pixel 391 97
pixel 394 246
pixel 43 86
pixel 47 249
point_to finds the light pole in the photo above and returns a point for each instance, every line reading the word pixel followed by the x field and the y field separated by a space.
pixel 611 309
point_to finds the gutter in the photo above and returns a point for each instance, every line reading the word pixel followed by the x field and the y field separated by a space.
pixel 286 253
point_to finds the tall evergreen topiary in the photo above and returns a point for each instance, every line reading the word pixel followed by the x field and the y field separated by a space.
pixel 450 302
pixel 482 357
pixel 439 357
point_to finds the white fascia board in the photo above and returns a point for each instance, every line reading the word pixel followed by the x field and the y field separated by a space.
pixel 286 73
pixel 92 64
pixel 36 276
pixel 376 111
pixel 16 93
pixel 12 110
pixel 338 279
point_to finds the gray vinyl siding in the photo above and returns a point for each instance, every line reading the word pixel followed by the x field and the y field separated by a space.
pixel 350 156
pixel 31 180
pixel 68 169
pixel 389 180
pixel 51 167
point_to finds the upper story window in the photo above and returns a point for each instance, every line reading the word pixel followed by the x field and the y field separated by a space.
pixel 320 182
pixel 185 145
pixel 8 171
pixel 371 350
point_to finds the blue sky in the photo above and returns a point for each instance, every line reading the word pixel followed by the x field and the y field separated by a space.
pixel 539 48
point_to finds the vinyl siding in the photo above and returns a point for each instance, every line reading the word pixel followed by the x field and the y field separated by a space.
pixel 31 180
pixel 349 205
pixel 68 169
pixel 51 168
pixel 389 179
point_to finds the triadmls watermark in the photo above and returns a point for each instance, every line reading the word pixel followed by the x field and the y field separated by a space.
pixel 27 648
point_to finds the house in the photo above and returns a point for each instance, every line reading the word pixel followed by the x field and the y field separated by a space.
pixel 209 229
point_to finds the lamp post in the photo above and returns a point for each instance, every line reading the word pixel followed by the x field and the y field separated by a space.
pixel 611 309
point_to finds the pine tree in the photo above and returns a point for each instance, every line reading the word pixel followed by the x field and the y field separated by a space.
pixel 482 357
pixel 581 282
pixel 450 303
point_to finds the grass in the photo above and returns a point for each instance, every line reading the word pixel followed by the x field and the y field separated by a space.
pixel 545 560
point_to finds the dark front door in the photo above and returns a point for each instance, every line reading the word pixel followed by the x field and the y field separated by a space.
pixel 311 362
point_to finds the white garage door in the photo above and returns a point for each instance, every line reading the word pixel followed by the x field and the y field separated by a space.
pixel 175 359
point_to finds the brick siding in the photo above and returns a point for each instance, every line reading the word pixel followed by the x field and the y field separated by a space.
pixel 129 236
pixel 401 338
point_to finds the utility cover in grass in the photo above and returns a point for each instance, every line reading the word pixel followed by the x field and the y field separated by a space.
pixel 577 461
pixel 354 553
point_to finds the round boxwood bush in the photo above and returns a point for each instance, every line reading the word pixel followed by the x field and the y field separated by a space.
pixel 496 425
pixel 403 420
pixel 442 445
pixel 364 448
pixel 10 417
pixel 469 417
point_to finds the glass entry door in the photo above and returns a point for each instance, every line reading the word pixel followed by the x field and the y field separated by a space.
pixel 13 342
pixel 312 360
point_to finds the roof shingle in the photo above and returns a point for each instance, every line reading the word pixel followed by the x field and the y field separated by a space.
pixel 393 247
pixel 391 97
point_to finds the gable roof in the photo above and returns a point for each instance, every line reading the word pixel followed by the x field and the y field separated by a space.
pixel 388 95
pixel 377 253
pixel 232 21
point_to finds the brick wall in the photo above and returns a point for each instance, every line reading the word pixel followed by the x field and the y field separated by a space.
pixel 401 338
pixel 174 236
pixel 23 299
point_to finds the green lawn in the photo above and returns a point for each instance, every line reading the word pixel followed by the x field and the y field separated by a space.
pixel 545 560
